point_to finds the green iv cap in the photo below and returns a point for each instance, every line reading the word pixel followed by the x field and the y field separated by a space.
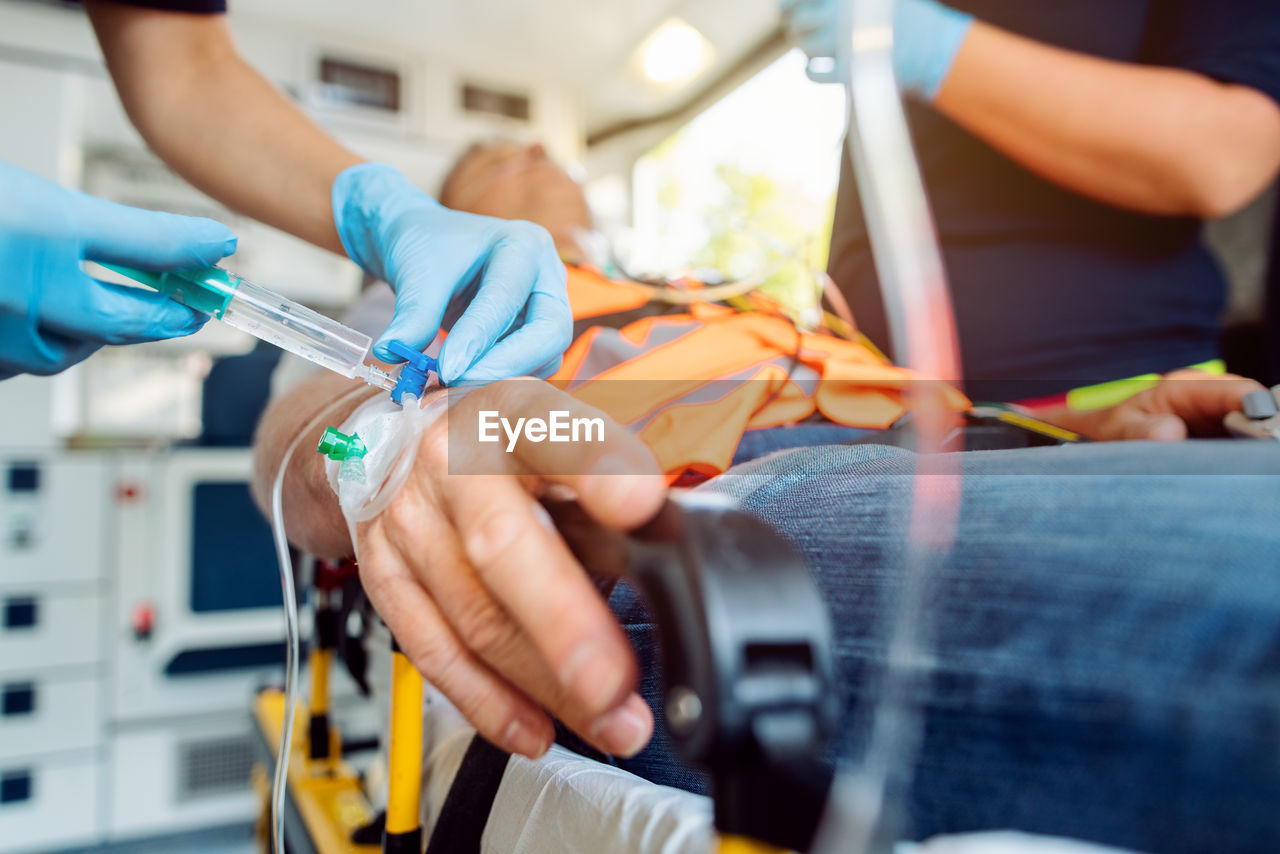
pixel 337 445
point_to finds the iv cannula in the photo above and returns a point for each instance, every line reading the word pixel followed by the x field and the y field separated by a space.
pixel 266 315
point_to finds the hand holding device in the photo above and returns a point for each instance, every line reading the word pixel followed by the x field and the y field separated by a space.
pixel 926 38
pixel 503 279
pixel 52 314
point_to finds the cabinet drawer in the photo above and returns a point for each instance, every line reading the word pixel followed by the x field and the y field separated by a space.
pixel 48 804
pixel 41 713
pixel 39 630
pixel 51 519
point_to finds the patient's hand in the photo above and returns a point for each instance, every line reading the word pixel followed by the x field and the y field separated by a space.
pixel 1184 404
pixel 483 595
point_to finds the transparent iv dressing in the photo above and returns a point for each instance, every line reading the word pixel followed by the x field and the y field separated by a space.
pixel 298 329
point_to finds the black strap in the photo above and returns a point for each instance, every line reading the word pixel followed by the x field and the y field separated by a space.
pixel 466 808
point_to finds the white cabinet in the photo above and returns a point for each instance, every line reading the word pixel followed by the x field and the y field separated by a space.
pixel 180 774
pixel 50 802
pixel 43 628
pixel 53 668
pixel 49 711
pixel 52 510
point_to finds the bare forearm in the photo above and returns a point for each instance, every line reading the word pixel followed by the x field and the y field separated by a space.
pixel 1156 140
pixel 311 513
pixel 218 122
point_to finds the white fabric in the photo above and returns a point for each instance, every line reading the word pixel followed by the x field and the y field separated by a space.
pixel 1003 842
pixel 567 803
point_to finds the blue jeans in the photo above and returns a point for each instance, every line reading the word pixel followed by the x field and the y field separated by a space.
pixel 1106 659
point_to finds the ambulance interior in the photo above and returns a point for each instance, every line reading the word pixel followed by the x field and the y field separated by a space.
pixel 140 596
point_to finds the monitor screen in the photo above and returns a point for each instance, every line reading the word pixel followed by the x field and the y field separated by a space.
pixel 233 557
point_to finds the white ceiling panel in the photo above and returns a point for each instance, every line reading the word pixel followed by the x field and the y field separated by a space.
pixel 586 46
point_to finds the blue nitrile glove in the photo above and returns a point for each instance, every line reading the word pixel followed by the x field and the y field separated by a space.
pixel 926 39
pixel 52 314
pixel 501 278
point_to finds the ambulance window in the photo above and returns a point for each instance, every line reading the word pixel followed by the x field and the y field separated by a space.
pixel 748 187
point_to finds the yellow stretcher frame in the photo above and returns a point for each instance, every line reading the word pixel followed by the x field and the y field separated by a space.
pixel 330 801
pixel 326 795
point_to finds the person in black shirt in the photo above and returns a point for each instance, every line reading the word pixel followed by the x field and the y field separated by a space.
pixel 1071 151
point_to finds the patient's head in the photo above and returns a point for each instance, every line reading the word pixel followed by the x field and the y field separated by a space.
pixel 513 181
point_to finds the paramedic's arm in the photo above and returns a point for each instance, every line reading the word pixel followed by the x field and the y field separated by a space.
pixel 217 121
pixel 1185 404
pixel 1157 140
pixel 477 587
pixel 224 128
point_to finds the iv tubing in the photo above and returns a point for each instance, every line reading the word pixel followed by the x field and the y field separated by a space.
pixel 913 286
pixel 416 419
pixel 284 749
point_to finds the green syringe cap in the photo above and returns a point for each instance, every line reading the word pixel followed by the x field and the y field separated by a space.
pixel 338 446
pixel 207 289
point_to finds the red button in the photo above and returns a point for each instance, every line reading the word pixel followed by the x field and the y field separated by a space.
pixel 143 620
pixel 126 492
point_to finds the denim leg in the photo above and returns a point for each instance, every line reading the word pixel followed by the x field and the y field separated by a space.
pixel 1106 657
pixel 757 443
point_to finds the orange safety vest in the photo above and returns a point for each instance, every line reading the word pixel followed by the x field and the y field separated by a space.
pixel 691 384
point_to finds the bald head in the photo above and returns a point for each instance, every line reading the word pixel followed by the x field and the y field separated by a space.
pixel 512 181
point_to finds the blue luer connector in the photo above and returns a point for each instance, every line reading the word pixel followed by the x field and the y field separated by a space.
pixel 413 376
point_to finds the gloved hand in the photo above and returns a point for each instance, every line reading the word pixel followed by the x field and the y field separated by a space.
pixel 503 277
pixel 53 315
pixel 926 38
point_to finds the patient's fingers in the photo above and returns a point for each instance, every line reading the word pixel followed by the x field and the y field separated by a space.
pixel 618 484
pixel 520 558
pixel 1134 421
pixel 490 632
pixel 497 710
pixel 613 472
pixel 534 617
pixel 1201 400
pixel 1184 403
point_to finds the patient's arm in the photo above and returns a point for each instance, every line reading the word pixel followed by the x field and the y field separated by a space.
pixel 468 573
pixel 311 513
pixel 1184 404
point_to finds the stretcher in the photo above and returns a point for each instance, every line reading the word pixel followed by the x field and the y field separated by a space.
pixel 748 699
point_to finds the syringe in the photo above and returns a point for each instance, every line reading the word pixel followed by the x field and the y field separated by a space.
pixel 269 316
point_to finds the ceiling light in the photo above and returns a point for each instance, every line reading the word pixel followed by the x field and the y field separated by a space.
pixel 674 53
